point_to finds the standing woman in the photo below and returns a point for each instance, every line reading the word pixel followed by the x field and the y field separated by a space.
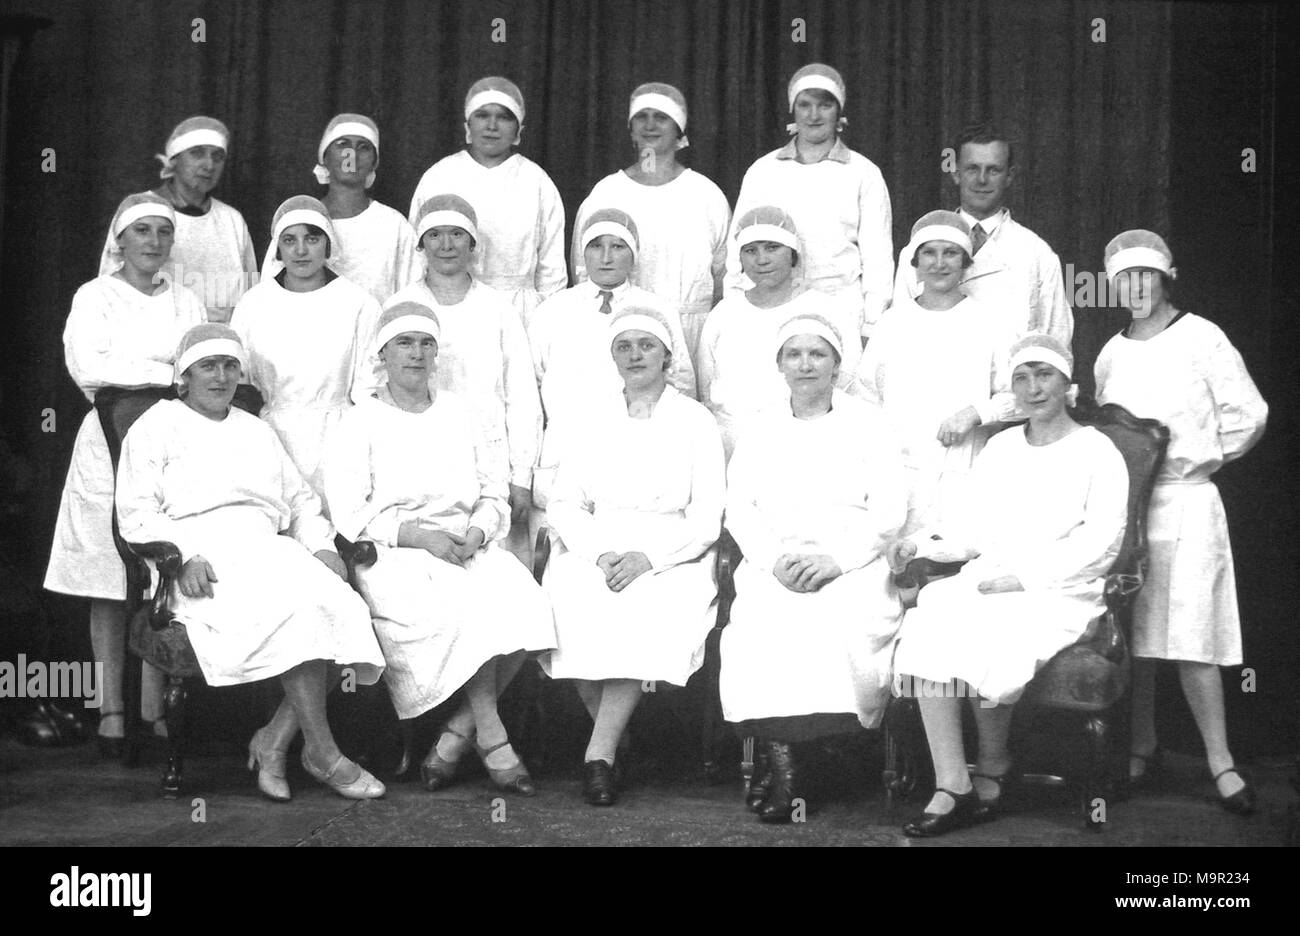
pixel 307 332
pixel 1181 369
pixel 837 198
pixel 213 252
pixel 373 245
pixel 123 331
pixel 520 215
pixel 637 507
pixel 682 216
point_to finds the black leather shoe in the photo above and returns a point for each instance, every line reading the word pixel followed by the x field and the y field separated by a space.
pixel 598 787
pixel 1241 803
pixel 964 813
pixel 71 729
pixel 779 805
pixel 761 782
pixel 36 729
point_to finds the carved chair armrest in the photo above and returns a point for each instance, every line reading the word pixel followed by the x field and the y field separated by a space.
pixel 541 553
pixel 920 572
pixel 1120 588
pixel 167 557
pixel 356 555
pixel 725 561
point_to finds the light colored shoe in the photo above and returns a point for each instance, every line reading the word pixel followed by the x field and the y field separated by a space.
pixel 365 786
pixel 270 767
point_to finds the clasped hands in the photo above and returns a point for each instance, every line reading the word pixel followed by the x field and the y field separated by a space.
pixel 902 551
pixel 449 547
pixel 621 569
pixel 196 576
pixel 805 573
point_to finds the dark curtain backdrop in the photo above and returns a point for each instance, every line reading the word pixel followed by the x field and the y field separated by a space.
pixel 1145 129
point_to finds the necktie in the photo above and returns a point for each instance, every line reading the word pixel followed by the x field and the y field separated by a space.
pixel 977 238
pixel 605 307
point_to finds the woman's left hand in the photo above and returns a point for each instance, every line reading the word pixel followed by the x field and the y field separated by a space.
pixel 815 571
pixel 333 562
pixel 521 501
pixel 1003 583
pixel 624 570
pixel 470 544
pixel 957 426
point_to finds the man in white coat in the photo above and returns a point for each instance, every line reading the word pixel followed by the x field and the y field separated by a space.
pixel 1015 270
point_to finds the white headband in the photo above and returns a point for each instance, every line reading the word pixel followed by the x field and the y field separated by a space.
pixel 804 325
pixel 493 96
pixel 823 82
pixel 943 232
pixel 1039 353
pixel 638 322
pixel 144 209
pixel 408 323
pixel 661 102
pixel 1131 257
pixel 344 130
pixel 304 216
pixel 767 232
pixel 446 217
pixel 211 347
pixel 609 227
pixel 203 136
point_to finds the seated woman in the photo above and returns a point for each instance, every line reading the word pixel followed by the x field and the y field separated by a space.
pixel 815 492
pixel 937 367
pixel 637 505
pixel 412 470
pixel 1045 519
pixel 218 483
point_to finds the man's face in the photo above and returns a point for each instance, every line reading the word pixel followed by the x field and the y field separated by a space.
pixel 984 175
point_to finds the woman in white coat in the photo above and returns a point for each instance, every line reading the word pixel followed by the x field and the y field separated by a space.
pixel 520 214
pixel 682 216
pixel 636 508
pixel 1042 524
pixel 122 332
pixel 307 331
pixel 815 492
pixel 836 196
pixel 937 368
pixel 1181 369
pixel 262 592
pixel 413 471
pixel 373 245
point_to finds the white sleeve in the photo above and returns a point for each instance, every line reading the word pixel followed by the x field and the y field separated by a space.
pixel 92 359
pixel 348 484
pixel 886 500
pixel 523 403
pixel 1242 412
pixel 761 544
pixel 1048 309
pixel 699 528
pixel 140 497
pixel 569 512
pixel 875 249
pixel 307 523
pixel 407 265
pixel 551 274
pixel 366 367
pixel 576 252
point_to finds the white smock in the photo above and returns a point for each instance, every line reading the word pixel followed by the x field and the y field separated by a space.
pixel 375 250
pixel 921 367
pixel 438 623
pixel 1193 380
pixel 226 491
pixel 831 485
pixel 483 357
pixel 840 207
pixel 1051 515
pixel 309 357
pixel 116 336
pixel 575 369
pixel 738 373
pixel 654 486
pixel 1015 273
pixel 212 255
pixel 520 248
pixel 682 234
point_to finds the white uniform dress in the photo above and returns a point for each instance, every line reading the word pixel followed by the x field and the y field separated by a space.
pixel 575 369
pixel 375 250
pixel 309 356
pixel 438 623
pixel 1015 273
pixel 921 367
pixel 226 490
pixel 212 255
pixel 116 336
pixel 738 373
pixel 682 230
pixel 1053 516
pixel 520 248
pixel 840 207
pixel 653 486
pixel 831 485
pixel 1193 380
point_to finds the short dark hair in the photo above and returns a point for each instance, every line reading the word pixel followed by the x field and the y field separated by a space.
pixel 316 232
pixel 986 132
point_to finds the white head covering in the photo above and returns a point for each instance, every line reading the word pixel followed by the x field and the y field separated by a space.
pixel 445 211
pixel 209 339
pixel 767 223
pixel 1138 248
pixel 810 325
pixel 303 209
pixel 612 221
pixel 939 225
pixel 661 97
pixel 495 90
pixel 634 318
pixel 405 317
pixel 344 125
pixel 1045 348
pixel 191 132
pixel 140 205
